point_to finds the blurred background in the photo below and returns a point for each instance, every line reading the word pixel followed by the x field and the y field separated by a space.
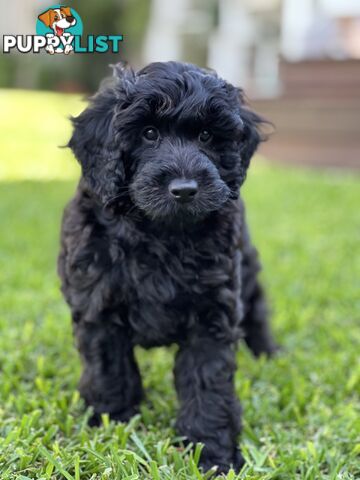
pixel 298 61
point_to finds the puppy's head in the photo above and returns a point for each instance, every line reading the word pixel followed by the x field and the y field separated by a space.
pixel 174 138
pixel 58 19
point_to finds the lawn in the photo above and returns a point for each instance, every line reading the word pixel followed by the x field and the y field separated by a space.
pixel 301 410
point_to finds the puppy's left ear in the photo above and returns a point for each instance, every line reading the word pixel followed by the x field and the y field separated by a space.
pixel 252 134
pixel 66 11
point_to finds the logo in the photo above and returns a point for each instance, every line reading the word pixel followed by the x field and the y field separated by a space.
pixel 59 30
pixel 59 25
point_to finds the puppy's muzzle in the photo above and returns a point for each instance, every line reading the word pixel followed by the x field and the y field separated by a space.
pixel 183 190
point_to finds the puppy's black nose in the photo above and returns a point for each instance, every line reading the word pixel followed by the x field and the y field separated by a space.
pixel 70 18
pixel 183 190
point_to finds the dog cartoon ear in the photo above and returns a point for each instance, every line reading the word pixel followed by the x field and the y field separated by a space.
pixel 66 10
pixel 95 141
pixel 47 17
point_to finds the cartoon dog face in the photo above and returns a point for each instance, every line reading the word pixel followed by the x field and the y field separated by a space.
pixel 58 19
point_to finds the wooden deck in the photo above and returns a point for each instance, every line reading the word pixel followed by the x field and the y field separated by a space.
pixel 317 118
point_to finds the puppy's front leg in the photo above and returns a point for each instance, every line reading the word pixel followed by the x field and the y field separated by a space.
pixel 110 381
pixel 209 410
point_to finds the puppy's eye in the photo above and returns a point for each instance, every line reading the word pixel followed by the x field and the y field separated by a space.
pixel 205 136
pixel 151 134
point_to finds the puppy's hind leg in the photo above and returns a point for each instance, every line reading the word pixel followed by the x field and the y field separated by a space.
pixel 256 325
pixel 110 381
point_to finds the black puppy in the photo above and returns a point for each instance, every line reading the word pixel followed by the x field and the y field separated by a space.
pixel 155 249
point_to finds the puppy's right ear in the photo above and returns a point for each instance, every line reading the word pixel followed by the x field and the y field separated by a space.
pixel 47 17
pixel 95 142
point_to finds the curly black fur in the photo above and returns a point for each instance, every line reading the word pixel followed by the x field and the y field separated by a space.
pixel 138 267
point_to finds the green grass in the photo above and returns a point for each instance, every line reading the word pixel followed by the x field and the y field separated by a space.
pixel 301 410
pixel 29 139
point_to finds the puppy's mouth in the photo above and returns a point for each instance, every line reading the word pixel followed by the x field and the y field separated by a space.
pixel 59 31
pixel 182 190
pixel 181 200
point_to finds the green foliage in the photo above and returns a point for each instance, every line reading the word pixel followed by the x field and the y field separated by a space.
pixel 301 410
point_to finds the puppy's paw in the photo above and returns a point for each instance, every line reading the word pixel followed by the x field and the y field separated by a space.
pixel 68 49
pixel 268 348
pixel 120 416
pixel 221 465
pixel 238 460
pixel 273 350
pixel 50 49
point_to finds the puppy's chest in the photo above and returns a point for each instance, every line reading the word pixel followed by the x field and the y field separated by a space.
pixel 168 283
pixel 167 269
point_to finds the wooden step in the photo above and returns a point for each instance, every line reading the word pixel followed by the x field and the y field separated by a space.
pixel 317 118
